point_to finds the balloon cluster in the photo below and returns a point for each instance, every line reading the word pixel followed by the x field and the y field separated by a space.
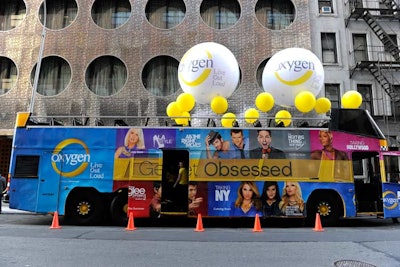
pixel 179 110
pixel 209 73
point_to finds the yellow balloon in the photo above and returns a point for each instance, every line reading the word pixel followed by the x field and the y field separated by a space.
pixel 173 109
pixel 185 101
pixel 322 105
pixel 228 119
pixel 283 116
pixel 264 101
pixel 351 99
pixel 219 104
pixel 251 115
pixel 184 120
pixel 305 101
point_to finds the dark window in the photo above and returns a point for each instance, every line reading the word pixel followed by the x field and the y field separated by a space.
pixel 366 91
pixel 328 42
pixel 26 167
pixel 332 92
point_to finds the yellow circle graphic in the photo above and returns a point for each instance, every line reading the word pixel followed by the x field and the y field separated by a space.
pixel 302 79
pixel 60 147
pixel 394 204
pixel 202 77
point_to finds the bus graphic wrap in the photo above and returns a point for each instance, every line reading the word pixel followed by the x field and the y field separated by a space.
pixel 229 170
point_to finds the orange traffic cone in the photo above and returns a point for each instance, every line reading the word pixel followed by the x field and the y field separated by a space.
pixel 257 224
pixel 131 223
pixel 318 226
pixel 199 225
pixel 55 224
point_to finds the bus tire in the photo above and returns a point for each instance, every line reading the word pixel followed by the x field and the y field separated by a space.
pixel 327 205
pixel 85 207
pixel 119 207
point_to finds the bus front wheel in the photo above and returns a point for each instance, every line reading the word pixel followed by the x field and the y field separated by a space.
pixel 85 207
pixel 327 206
pixel 119 207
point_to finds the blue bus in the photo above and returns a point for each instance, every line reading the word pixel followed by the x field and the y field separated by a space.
pixel 91 173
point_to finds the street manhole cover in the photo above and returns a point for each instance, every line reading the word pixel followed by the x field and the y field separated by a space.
pixel 352 263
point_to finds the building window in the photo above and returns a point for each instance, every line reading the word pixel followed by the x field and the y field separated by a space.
pixel 59 13
pixel 110 14
pixel 220 14
pixel 12 13
pixel 360 47
pixel 8 74
pixel 260 71
pixel 325 6
pixel 388 52
pixel 366 92
pixel 54 76
pixel 106 75
pixel 160 76
pixel 165 14
pixel 332 92
pixel 328 43
pixel 275 14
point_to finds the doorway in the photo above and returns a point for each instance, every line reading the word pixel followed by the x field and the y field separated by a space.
pixel 174 199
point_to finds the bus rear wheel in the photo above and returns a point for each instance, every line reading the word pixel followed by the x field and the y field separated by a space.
pixel 327 206
pixel 85 207
pixel 119 208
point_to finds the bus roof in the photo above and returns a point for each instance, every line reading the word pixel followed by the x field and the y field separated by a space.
pixel 355 121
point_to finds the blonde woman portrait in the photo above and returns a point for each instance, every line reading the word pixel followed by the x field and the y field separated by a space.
pixel 133 140
pixel 248 201
pixel 292 203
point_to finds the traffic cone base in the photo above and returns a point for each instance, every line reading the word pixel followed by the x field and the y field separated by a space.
pixel 199 225
pixel 318 225
pixel 55 224
pixel 257 224
pixel 131 223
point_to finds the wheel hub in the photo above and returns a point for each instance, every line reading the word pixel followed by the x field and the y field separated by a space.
pixel 324 209
pixel 83 208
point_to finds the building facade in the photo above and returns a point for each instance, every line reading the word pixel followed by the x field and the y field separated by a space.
pixel 119 58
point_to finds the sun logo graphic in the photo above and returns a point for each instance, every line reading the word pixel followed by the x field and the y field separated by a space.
pixel 291 71
pixel 66 162
pixel 390 200
pixel 207 70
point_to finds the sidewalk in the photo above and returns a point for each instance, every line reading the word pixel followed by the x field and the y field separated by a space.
pixel 5 209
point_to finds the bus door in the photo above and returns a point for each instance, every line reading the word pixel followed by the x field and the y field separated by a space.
pixel 24 182
pixel 367 182
pixel 174 199
pixel 48 185
pixel 391 184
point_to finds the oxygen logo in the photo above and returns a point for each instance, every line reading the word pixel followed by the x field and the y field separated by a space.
pixel 390 200
pixel 193 66
pixel 295 66
pixel 207 70
pixel 290 72
pixel 72 164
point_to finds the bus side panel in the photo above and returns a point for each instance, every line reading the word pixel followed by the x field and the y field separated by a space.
pixel 222 195
pixel 23 194
pixel 391 197
pixel 69 158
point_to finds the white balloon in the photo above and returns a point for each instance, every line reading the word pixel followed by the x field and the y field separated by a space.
pixel 290 72
pixel 208 70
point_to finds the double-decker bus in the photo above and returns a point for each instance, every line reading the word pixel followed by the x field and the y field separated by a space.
pixel 90 173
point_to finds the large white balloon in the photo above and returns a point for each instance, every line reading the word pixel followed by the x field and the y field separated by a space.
pixel 208 70
pixel 291 71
